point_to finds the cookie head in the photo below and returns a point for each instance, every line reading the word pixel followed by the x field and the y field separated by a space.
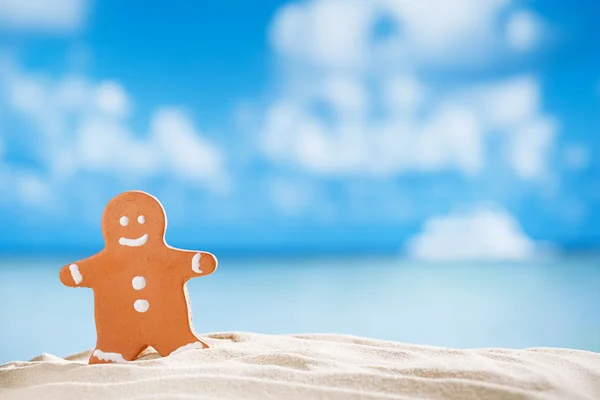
pixel 133 220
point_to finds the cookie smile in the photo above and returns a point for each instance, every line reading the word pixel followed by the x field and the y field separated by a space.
pixel 134 242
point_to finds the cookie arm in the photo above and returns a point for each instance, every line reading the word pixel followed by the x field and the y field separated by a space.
pixel 194 263
pixel 81 273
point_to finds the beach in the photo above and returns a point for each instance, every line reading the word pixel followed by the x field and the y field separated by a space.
pixel 243 365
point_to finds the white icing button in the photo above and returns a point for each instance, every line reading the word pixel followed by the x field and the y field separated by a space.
pixel 141 305
pixel 138 283
pixel 124 221
pixel 141 219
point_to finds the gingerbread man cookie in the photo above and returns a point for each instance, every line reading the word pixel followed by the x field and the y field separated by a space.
pixel 140 296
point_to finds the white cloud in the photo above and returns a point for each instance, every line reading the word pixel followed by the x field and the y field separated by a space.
pixel 457 29
pixel 509 102
pixel 173 146
pixel 403 94
pixel 48 104
pixel 27 186
pixel 354 104
pixel 47 15
pixel 32 189
pixel 187 153
pixel 81 127
pixel 512 107
pixel 103 145
pixel 345 94
pixel 529 147
pixel 483 233
pixel 452 135
pixel 314 31
pixel 343 33
pixel 112 99
pixel 576 156
pixel 291 133
pixel 523 30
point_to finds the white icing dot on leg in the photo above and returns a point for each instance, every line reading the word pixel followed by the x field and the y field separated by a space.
pixel 114 357
pixel 196 263
pixel 75 274
pixel 141 305
pixel 138 283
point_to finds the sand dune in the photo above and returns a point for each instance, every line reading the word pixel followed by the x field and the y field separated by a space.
pixel 253 366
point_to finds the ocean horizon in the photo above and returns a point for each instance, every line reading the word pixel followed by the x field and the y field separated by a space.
pixel 552 302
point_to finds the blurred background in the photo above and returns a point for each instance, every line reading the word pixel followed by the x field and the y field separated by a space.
pixel 421 171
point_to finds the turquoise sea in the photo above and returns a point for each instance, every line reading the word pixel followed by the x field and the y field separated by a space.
pixel 551 303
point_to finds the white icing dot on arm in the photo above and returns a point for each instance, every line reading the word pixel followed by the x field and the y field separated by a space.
pixel 77 278
pixel 196 263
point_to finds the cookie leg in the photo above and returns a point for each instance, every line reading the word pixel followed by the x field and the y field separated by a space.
pixel 181 341
pixel 108 354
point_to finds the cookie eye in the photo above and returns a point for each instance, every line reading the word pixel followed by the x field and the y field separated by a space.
pixel 124 221
pixel 141 219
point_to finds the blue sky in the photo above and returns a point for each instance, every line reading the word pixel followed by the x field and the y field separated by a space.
pixel 462 130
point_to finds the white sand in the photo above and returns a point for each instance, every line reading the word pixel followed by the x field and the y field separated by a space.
pixel 252 366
